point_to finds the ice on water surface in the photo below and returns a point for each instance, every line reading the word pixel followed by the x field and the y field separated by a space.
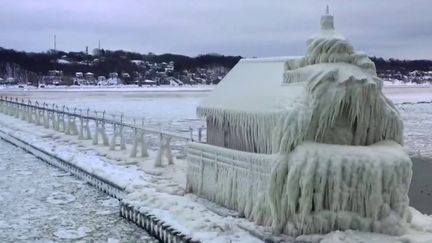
pixel 40 203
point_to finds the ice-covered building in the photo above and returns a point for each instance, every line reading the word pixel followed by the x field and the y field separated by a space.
pixel 305 144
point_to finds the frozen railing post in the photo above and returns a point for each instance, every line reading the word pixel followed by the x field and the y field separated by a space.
pixel 138 139
pixel 96 135
pixel 9 108
pixel 35 112
pixel 100 129
pixel 12 107
pixel 191 133
pixel 23 110
pixel 118 132
pixel 74 129
pixel 81 128
pixel 17 108
pixel 200 134
pixel 164 149
pixel 5 104
pixel 54 117
pixel 1 104
pixel 58 118
pixel 61 120
pixel 71 128
pixel 51 116
pixel 87 125
pixel 29 112
pixel 39 114
pixel 67 127
pixel 46 115
pixel 84 131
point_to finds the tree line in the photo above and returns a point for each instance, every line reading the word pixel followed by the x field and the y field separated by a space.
pixel 107 61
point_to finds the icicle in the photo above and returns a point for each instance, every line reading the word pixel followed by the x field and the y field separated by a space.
pixel 164 149
pixel 100 130
pixel 138 140
pixel 117 132
pixel 45 115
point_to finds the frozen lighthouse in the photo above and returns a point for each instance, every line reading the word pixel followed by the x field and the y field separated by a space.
pixel 305 144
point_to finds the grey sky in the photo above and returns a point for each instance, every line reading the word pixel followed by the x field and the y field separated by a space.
pixel 388 28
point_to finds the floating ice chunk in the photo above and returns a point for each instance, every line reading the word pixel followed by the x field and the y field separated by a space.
pixel 60 198
pixel 106 212
pixel 112 202
pixel 421 222
pixel 25 172
pixel 72 233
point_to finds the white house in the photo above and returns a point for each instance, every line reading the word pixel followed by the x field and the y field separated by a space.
pixel 307 145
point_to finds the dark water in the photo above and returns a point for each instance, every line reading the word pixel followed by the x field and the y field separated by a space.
pixel 420 193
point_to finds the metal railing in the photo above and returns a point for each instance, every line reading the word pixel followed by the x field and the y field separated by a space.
pixel 114 132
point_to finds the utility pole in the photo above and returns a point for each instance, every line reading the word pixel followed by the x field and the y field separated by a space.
pixel 55 43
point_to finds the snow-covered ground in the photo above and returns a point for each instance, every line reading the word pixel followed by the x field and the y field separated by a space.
pixel 400 83
pixel 160 190
pixel 40 203
pixel 400 94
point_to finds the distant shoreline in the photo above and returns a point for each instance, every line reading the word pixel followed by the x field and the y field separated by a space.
pixel 198 88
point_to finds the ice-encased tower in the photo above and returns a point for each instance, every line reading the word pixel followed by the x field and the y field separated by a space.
pixel 305 144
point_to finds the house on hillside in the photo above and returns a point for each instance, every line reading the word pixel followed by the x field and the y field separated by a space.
pixel 90 78
pixel 54 77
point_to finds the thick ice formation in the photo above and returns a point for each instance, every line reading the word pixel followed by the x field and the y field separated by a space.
pixel 319 138
pixel 319 188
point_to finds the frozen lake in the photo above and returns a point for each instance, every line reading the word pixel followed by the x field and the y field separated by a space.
pixel 178 108
pixel 159 106
pixel 39 203
pixel 165 106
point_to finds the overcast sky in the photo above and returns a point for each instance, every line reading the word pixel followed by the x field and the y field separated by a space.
pixel 387 28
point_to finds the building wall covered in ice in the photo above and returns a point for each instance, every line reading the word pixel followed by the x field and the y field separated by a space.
pixel 317 188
